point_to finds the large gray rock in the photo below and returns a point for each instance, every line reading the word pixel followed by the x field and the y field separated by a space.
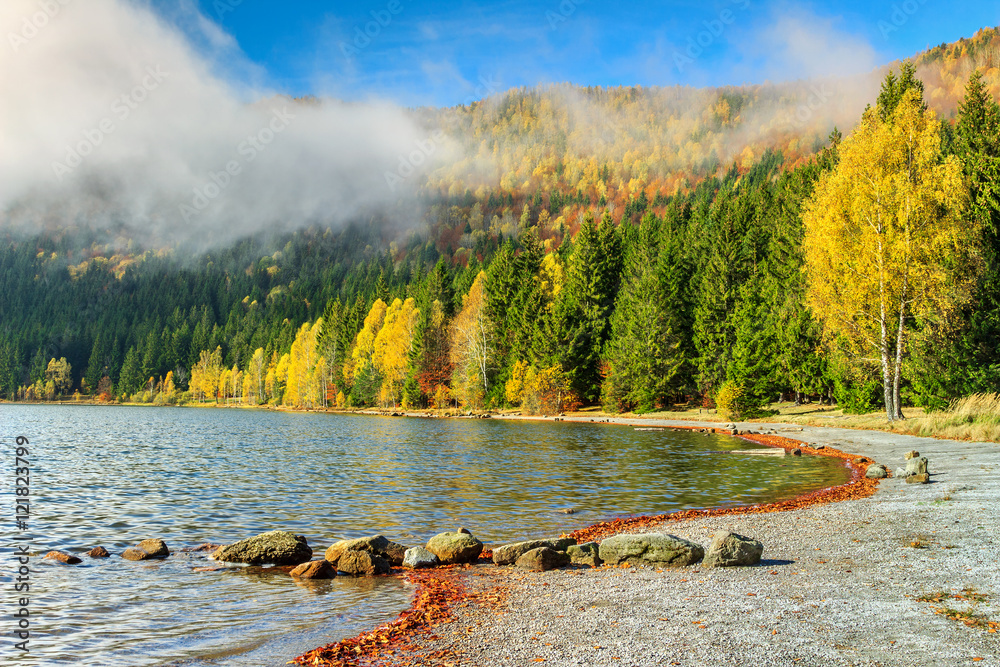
pixel 732 550
pixel 455 547
pixel 278 547
pixel 876 471
pixel 363 564
pixel 509 553
pixel 417 557
pixel 584 554
pixel 314 569
pixel 652 549
pixel 374 544
pixel 542 559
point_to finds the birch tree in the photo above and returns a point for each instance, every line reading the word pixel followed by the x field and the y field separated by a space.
pixel 472 345
pixel 885 240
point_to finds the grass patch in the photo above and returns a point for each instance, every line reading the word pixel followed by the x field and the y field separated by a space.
pixel 975 417
pixel 969 616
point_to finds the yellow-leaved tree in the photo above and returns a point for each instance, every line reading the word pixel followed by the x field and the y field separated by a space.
pixel 472 347
pixel 302 388
pixel 885 241
pixel 392 346
pixel 359 369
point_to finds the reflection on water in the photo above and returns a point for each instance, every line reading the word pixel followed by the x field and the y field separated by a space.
pixel 116 475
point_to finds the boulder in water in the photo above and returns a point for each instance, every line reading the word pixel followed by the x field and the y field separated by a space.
pixel 278 547
pixel 455 547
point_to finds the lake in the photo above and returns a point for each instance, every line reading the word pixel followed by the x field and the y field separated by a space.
pixel 113 476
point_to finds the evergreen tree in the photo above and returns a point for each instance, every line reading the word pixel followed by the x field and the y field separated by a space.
pixel 131 379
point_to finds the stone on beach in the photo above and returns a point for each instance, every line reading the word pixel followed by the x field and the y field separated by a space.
pixel 315 569
pixel 362 564
pixel 652 549
pixel 731 550
pixel 62 557
pixel 278 547
pixel 509 553
pixel 542 559
pixel 584 554
pixel 98 552
pixel 455 547
pixel 916 466
pixel 876 471
pixel 417 557
pixel 920 478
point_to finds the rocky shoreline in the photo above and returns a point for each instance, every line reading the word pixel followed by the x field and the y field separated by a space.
pixel 905 576
pixel 855 574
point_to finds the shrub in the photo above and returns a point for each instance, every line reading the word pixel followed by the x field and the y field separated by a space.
pixel 728 401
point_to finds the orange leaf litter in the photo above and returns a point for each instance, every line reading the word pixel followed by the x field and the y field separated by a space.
pixel 441 589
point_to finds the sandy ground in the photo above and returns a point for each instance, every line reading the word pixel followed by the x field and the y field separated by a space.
pixel 838 584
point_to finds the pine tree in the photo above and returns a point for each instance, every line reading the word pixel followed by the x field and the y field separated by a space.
pixel 646 353
pixel 586 303
pixel 131 379
pixel 97 366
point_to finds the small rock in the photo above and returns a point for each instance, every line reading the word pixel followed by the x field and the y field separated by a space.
pixel 315 569
pixel 818 447
pixel 796 452
pixel 919 478
pixel 98 552
pixel 861 459
pixel 654 549
pixel 417 557
pixel 394 553
pixel 916 466
pixel 133 553
pixel 732 550
pixel 155 548
pixel 911 455
pixel 63 557
pixel 584 554
pixel 464 531
pixel 509 553
pixel 567 510
pixel 876 471
pixel 542 559
pixel 205 546
pixel 455 547
pixel 362 563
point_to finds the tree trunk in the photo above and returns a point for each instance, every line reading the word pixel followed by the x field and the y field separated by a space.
pixel 898 368
pixel 890 411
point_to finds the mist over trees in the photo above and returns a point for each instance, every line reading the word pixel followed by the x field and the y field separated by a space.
pixel 826 274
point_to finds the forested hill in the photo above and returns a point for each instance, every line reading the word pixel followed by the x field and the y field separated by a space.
pixel 627 246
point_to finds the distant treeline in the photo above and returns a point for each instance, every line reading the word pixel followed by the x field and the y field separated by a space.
pixel 754 284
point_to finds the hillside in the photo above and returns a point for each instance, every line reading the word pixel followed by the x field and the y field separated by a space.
pixel 576 204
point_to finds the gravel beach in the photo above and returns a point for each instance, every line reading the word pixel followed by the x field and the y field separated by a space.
pixel 838 584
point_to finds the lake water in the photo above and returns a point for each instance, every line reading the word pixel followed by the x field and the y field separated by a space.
pixel 113 476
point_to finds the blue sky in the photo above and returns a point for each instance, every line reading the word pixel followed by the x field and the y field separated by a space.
pixel 444 53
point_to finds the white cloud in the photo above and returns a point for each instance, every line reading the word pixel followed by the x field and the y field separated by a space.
pixel 109 115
